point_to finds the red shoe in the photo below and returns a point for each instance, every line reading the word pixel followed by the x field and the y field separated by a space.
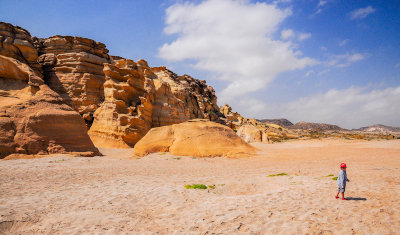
pixel 344 199
pixel 336 197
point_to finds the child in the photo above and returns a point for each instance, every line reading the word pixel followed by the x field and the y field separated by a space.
pixel 341 181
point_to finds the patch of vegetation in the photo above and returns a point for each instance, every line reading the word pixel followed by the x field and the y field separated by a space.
pixel 177 158
pixel 329 175
pixel 235 130
pixel 195 186
pixel 211 186
pixel 334 178
pixel 280 174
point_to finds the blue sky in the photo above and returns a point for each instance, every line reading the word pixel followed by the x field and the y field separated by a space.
pixel 322 61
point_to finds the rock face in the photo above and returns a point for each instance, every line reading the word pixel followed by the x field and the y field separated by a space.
pixel 126 114
pixel 119 100
pixel 73 67
pixel 17 43
pixel 253 134
pixel 199 138
pixel 138 98
pixel 33 118
pixel 181 98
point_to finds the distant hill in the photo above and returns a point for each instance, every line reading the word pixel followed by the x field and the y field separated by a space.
pixel 316 126
pixel 379 128
pixel 281 122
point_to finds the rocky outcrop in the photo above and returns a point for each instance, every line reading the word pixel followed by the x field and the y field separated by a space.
pixel 199 138
pixel 379 128
pixel 126 114
pixel 17 43
pixel 315 126
pixel 73 67
pixel 253 134
pixel 33 118
pixel 138 98
pixel 281 122
pixel 181 98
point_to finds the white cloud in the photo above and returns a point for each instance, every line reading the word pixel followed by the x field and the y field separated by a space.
pixel 234 41
pixel 343 42
pixel 322 3
pixel 344 60
pixel 361 13
pixel 304 36
pixel 324 72
pixel 287 34
pixel 350 108
pixel 309 72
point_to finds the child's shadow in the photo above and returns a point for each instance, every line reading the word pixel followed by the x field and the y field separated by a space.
pixel 356 198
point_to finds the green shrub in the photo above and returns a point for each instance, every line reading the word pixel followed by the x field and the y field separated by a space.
pixel 280 174
pixel 196 186
pixel 334 178
pixel 329 175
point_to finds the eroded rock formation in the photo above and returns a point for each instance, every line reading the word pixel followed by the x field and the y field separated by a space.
pixel 126 114
pixel 117 98
pixel 199 138
pixel 181 98
pixel 73 67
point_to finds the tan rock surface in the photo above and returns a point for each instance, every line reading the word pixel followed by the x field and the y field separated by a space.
pixel 73 67
pixel 181 98
pixel 199 138
pixel 252 134
pixel 33 118
pixel 126 114
pixel 17 43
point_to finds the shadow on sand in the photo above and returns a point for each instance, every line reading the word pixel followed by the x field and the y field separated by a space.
pixel 356 198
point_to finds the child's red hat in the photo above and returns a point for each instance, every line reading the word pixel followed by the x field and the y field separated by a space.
pixel 343 165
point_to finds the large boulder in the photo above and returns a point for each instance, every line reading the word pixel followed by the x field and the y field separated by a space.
pixel 199 138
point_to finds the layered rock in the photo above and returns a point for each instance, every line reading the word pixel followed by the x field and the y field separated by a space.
pixel 17 43
pixel 73 67
pixel 181 98
pixel 126 114
pixel 33 118
pixel 199 138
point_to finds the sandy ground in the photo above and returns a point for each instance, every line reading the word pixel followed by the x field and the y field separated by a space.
pixel 118 195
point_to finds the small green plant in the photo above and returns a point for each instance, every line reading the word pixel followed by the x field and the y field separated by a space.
pixel 329 175
pixel 235 130
pixel 177 158
pixel 211 186
pixel 334 178
pixel 195 186
pixel 280 174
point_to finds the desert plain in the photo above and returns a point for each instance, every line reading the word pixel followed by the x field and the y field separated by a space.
pixel 120 194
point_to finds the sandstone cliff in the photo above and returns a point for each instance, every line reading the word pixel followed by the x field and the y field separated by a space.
pixel 119 100
pixel 33 118
pixel 126 114
pixel 73 67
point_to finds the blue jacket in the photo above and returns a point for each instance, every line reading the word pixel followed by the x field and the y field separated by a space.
pixel 342 179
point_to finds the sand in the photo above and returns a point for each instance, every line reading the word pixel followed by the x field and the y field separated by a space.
pixel 116 194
